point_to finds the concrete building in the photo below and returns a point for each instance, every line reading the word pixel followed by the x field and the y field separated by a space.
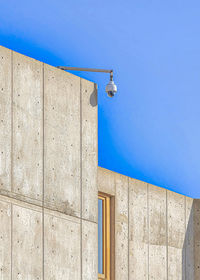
pixel 49 184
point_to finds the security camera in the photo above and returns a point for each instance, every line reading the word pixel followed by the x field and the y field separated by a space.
pixel 111 88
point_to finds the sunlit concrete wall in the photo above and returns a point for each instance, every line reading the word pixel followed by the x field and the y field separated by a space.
pixel 49 188
pixel 157 232
pixel 48 172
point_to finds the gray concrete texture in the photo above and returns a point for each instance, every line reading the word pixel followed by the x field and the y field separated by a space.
pixel 49 183
pixel 157 232
pixel 48 172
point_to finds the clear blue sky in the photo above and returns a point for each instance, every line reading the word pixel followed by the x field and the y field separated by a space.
pixel 151 129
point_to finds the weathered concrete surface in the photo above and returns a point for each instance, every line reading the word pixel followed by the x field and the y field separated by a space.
pixel 106 181
pixel 156 236
pixel 189 240
pixel 62 140
pixel 157 233
pixel 26 243
pixel 5 240
pixel 62 257
pixel 121 227
pixel 89 150
pixel 89 250
pixel 176 235
pixel 196 238
pixel 162 230
pixel 27 126
pixel 20 197
pixel 5 118
pixel 48 170
pixel 138 230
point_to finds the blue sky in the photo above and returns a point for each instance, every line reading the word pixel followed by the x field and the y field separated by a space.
pixel 151 129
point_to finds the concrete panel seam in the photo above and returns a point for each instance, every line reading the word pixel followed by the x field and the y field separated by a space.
pixel 61 216
pixel 38 208
pixel 185 241
pixel 194 236
pixel 11 262
pixel 167 233
pixel 128 231
pixel 11 103
pixel 87 220
pixel 43 276
pixel 148 227
pixel 81 206
pixel 148 269
pixel 194 240
pixel 18 202
pixel 20 197
pixel 68 215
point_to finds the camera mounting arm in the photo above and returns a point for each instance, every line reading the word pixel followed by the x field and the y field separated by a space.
pixel 87 70
pixel 111 88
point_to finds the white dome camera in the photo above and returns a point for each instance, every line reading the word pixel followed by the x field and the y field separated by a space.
pixel 111 88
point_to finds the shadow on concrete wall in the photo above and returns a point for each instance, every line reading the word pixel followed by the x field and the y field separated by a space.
pixel 93 97
pixel 191 244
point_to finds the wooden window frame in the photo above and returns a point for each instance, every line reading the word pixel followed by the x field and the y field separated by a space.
pixel 108 230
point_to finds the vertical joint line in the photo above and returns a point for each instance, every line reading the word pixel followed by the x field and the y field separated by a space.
pixel 185 241
pixel 81 269
pixel 148 226
pixel 128 230
pixel 194 235
pixel 11 237
pixel 43 171
pixel 11 169
pixel 167 232
pixel 11 144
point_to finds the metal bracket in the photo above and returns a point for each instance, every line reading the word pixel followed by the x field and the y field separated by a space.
pixel 88 70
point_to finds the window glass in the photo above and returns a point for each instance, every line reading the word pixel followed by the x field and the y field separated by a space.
pixel 100 236
pixel 104 249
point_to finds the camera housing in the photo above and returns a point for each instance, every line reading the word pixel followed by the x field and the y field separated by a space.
pixel 111 88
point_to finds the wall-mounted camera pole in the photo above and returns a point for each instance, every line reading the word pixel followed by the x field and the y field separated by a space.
pixel 111 88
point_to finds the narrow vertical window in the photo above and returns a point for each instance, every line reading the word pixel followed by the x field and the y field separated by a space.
pixel 103 237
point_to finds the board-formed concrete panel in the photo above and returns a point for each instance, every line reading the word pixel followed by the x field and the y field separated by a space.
pixel 5 118
pixel 27 126
pixel 27 244
pixel 62 256
pixel 157 233
pixel 149 237
pixel 106 181
pixel 89 150
pixel 89 250
pixel 176 236
pixel 189 240
pixel 62 140
pixel 138 230
pixel 196 238
pixel 5 240
pixel 121 227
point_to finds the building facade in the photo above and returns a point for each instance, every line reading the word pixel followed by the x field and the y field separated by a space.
pixel 49 185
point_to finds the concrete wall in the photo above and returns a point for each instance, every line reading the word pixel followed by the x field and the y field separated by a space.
pixel 49 188
pixel 48 172
pixel 157 232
